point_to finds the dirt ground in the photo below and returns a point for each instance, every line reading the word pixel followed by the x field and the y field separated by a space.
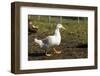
pixel 69 50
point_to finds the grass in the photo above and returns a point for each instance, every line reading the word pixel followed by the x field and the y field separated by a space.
pixel 74 38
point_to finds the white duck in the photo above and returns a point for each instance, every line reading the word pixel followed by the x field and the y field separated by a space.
pixel 52 40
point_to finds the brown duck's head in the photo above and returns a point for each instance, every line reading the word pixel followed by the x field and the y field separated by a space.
pixel 30 22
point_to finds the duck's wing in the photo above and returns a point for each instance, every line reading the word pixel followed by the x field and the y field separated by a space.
pixel 45 41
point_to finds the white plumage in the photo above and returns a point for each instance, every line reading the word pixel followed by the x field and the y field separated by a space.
pixel 52 40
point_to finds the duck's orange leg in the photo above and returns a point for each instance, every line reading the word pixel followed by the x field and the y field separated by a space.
pixel 57 52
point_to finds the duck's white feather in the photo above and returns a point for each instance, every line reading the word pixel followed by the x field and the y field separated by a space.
pixel 50 40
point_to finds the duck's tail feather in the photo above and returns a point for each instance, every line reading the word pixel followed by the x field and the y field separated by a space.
pixel 39 42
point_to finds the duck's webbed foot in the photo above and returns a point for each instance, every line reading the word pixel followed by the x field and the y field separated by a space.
pixel 48 54
pixel 55 51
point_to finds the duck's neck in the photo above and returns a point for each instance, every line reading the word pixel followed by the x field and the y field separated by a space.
pixel 57 32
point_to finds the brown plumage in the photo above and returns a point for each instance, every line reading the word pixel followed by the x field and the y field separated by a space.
pixel 31 27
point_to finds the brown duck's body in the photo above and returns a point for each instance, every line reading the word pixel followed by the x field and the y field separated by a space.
pixel 31 27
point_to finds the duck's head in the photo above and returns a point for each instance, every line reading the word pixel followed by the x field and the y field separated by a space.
pixel 60 26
